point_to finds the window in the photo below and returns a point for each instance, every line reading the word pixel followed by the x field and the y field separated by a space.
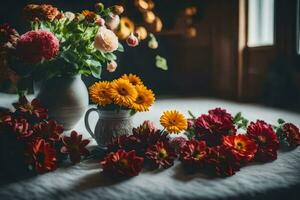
pixel 260 23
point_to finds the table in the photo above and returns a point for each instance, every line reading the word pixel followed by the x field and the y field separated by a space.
pixel 274 180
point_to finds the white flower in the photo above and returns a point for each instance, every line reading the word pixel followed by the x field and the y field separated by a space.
pixel 69 15
pixel 106 40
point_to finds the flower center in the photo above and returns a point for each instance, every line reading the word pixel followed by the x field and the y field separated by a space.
pixel 239 145
pixel 163 153
pixel 28 107
pixel 198 155
pixel 139 100
pixel 123 163
pixel 262 139
pixel 123 91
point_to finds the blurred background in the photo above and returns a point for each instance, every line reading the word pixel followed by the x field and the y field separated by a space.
pixel 241 50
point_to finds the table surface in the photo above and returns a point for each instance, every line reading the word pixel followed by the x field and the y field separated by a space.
pixel 274 180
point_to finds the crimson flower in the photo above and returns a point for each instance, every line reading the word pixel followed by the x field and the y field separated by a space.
pixel 146 127
pixel 49 130
pixel 161 155
pixel 75 146
pixel 241 146
pixel 193 153
pixel 178 143
pixel 292 134
pixel 21 128
pixel 33 108
pixel 122 163
pixel 264 135
pixel 42 156
pixel 7 35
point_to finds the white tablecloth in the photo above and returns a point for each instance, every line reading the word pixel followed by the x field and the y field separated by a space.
pixel 275 180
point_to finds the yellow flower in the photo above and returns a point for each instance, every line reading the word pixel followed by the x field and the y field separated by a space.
pixel 123 92
pixel 144 100
pixel 173 121
pixel 133 79
pixel 99 93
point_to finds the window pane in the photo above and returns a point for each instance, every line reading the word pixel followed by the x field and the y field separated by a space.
pixel 260 22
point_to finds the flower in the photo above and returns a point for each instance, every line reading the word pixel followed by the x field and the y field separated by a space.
pixel 111 66
pixel 122 163
pixel 122 92
pixel 133 79
pixel 69 15
pixel 266 139
pixel 99 93
pixel 100 21
pixel 33 108
pixel 125 28
pixel 20 127
pixel 43 12
pixel 7 35
pixel 173 121
pixel 241 146
pixel 191 124
pixel 75 146
pixel 112 21
pixel 117 9
pixel 89 16
pixel 35 46
pixel 292 134
pixel 106 40
pixel 141 32
pixel 161 155
pixel 146 126
pixel 153 44
pixel 50 130
pixel 149 17
pixel 132 40
pixel 178 143
pixel 144 100
pixel 193 153
pixel 42 156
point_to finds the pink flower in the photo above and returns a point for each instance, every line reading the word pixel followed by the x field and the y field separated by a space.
pixel 132 40
pixel 111 66
pixel 35 46
pixel 106 40
pixel 112 21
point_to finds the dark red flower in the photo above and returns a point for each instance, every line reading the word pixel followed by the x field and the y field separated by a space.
pixel 122 163
pixel 161 155
pixel 35 46
pixel 266 139
pixel 221 161
pixel 42 156
pixel 33 108
pixel 75 146
pixel 241 146
pixel 191 124
pixel 292 134
pixel 49 130
pixel 21 128
pixel 193 153
pixel 7 35
pixel 177 143
pixel 146 127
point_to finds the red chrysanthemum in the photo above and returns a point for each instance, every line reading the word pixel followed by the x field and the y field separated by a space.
pixel 42 156
pixel 21 128
pixel 35 46
pixel 266 139
pixel 7 35
pixel 75 146
pixel 178 143
pixel 241 146
pixel 292 134
pixel 50 130
pixel 213 126
pixel 221 161
pixel 122 163
pixel 32 108
pixel 161 155
pixel 193 153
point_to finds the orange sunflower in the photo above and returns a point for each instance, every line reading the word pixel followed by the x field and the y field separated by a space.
pixel 99 93
pixel 133 79
pixel 173 121
pixel 144 100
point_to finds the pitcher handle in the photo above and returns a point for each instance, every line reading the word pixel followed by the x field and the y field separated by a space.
pixel 86 121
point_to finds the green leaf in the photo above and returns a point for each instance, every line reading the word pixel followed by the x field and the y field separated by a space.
pixel 120 47
pixel 280 121
pixel 161 63
pixel 191 114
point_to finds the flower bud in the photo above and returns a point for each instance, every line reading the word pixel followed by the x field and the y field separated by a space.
pixel 112 21
pixel 111 66
pixel 132 40
pixel 99 7
pixel 117 9
pixel 149 17
pixel 153 44
pixel 100 21
pixel 141 32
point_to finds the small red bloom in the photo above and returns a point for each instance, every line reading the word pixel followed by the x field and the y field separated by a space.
pixel 292 134
pixel 42 156
pixel 50 130
pixel 193 153
pixel 21 128
pixel 146 127
pixel 75 146
pixel 241 146
pixel 33 108
pixel 7 35
pixel 178 143
pixel 122 163
pixel 161 155
pixel 266 139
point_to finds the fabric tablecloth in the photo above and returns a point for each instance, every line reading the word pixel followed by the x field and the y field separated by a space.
pixel 275 180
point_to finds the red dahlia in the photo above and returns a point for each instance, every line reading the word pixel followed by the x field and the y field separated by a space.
pixel 161 155
pixel 241 146
pixel 35 46
pixel 75 146
pixel 292 134
pixel 33 108
pixel 193 153
pixel 42 156
pixel 122 163
pixel 266 139
pixel 50 130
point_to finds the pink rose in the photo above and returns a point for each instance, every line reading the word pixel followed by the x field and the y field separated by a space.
pixel 106 40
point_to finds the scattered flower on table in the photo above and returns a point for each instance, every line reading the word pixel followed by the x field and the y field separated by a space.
pixel 173 121
pixel 32 108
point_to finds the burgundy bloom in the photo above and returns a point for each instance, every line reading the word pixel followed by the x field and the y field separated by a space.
pixel 7 35
pixel 177 143
pixel 21 128
pixel 50 130
pixel 193 153
pixel 32 108
pixel 161 155
pixel 122 163
pixel 35 46
pixel 75 146
pixel 266 139
pixel 145 128
pixel 42 156
pixel 292 134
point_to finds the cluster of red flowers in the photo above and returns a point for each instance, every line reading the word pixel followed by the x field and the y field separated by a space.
pixel 38 140
pixel 214 145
